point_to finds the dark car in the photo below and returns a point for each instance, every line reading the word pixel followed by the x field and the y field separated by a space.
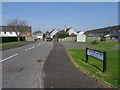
pixel 48 39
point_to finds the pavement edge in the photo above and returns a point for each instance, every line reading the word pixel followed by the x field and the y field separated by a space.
pixel 42 75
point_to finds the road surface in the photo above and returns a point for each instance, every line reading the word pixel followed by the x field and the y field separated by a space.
pixel 22 66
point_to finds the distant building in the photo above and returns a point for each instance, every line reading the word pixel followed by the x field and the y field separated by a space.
pixel 115 32
pixel 6 32
pixel 53 33
pixel 38 35
pixel 111 32
pixel 81 37
pixel 80 32
pixel 71 31
pixel 97 32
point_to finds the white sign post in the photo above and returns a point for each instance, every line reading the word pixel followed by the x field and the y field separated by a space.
pixel 97 54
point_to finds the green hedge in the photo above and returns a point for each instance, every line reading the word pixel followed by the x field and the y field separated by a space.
pixel 10 39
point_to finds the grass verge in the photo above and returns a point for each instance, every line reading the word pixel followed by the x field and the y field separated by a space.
pixel 12 43
pixel 102 45
pixel 94 67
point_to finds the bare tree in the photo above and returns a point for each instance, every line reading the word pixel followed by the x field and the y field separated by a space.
pixel 17 26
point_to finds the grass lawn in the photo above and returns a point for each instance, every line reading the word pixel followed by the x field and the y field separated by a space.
pixel 94 66
pixel 102 44
pixel 12 43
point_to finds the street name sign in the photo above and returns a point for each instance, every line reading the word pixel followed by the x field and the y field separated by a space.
pixel 96 54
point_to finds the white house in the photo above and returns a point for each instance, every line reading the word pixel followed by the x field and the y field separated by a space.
pixel 80 32
pixel 70 31
pixel 53 33
pixel 5 31
pixel 81 37
pixel 38 35
pixel 7 34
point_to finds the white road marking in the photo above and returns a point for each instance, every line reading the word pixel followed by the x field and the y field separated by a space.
pixel 29 48
pixel 8 57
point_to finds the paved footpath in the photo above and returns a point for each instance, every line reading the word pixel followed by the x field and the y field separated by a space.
pixel 60 72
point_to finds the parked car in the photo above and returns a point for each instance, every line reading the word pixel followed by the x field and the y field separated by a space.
pixel 48 39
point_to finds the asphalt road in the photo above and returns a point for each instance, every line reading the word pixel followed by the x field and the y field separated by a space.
pixel 22 67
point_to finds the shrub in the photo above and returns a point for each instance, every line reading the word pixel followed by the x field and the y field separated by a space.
pixel 10 39
pixel 95 42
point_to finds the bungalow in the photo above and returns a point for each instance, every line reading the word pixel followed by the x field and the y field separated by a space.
pixel 97 32
pixel 111 32
pixel 115 32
